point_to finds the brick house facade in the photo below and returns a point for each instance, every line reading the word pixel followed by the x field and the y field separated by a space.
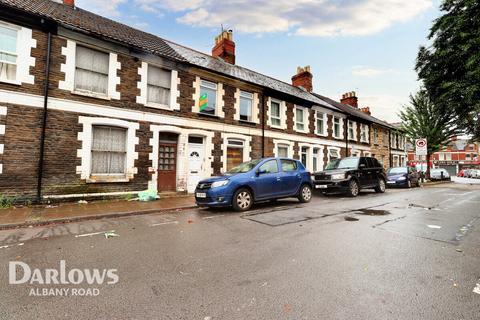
pixel 122 109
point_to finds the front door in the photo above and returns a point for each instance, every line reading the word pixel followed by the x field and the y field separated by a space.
pixel 167 166
pixel 195 165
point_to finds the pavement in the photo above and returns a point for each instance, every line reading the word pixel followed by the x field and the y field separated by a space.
pixel 25 216
pixel 405 254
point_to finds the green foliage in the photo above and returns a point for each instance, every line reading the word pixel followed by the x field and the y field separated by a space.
pixel 422 119
pixel 6 202
pixel 450 67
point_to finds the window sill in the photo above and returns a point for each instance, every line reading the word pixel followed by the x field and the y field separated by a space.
pixel 14 82
pixel 91 95
pixel 300 131
pixel 107 179
pixel 247 122
pixel 158 106
pixel 206 115
pixel 321 134
pixel 277 127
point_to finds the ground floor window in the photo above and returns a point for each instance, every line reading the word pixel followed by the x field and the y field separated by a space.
pixel 396 161
pixel 333 154
pixel 316 159
pixel 304 156
pixel 282 151
pixel 109 150
pixel 234 153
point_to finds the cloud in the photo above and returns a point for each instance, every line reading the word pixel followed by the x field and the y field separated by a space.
pixel 320 18
pixel 103 7
pixel 363 71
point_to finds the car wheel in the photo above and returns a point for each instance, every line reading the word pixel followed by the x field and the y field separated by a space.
pixel 381 186
pixel 353 188
pixel 305 194
pixel 242 200
pixel 409 183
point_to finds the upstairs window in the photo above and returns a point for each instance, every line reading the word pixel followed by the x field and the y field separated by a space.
pixel 336 127
pixel 8 54
pixel 363 133
pixel 320 123
pixel 299 119
pixel 275 118
pixel 351 131
pixel 91 70
pixel 109 150
pixel 158 85
pixel 375 135
pixel 246 105
pixel 208 97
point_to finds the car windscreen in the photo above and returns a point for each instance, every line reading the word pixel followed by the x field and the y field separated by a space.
pixel 347 163
pixel 244 167
pixel 395 171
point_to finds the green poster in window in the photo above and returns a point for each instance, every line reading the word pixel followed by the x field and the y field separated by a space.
pixel 203 102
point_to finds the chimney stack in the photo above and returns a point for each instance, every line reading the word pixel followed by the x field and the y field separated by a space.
pixel 303 78
pixel 366 110
pixel 224 47
pixel 70 3
pixel 350 98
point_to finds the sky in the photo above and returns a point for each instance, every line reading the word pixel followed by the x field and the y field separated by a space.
pixel 366 46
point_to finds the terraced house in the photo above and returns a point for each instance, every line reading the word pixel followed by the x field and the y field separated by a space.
pixel 92 107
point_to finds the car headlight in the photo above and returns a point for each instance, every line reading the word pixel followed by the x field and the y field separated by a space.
pixel 402 178
pixel 221 183
pixel 338 176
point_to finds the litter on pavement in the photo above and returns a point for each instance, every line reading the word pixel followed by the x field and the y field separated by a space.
pixel 148 195
pixel 433 226
pixel 111 234
pixel 477 288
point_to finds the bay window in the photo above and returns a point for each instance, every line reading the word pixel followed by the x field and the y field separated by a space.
pixel 282 151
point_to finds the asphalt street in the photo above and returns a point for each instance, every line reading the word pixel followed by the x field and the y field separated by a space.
pixel 412 254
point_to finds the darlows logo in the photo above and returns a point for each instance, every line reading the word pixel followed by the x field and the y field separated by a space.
pixel 20 273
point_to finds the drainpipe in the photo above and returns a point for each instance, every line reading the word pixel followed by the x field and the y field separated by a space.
pixel 44 119
pixel 263 125
pixel 389 148
pixel 347 153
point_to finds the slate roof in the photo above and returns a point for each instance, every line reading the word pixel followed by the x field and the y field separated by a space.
pixel 207 61
pixel 355 112
pixel 89 22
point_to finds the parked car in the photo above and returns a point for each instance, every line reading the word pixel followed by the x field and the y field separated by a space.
pixel 439 174
pixel 254 181
pixel 403 177
pixel 475 174
pixel 350 175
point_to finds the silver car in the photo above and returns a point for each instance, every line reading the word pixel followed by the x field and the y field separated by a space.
pixel 439 174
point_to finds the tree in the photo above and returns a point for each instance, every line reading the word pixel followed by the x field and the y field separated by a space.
pixel 450 67
pixel 422 119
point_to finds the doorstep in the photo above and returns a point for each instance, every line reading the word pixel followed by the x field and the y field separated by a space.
pixel 21 217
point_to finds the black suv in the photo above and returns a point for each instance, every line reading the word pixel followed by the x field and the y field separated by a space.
pixel 350 175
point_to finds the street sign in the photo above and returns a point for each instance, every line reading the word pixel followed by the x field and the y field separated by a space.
pixel 421 147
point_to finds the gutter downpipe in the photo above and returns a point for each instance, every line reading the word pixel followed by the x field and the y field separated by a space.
pixel 347 153
pixel 389 148
pixel 44 119
pixel 263 125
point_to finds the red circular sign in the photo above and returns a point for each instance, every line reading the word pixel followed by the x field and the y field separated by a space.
pixel 421 143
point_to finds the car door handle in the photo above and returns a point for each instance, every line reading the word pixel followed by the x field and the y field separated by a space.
pixel 279 179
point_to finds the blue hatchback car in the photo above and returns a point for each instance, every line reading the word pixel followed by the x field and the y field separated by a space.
pixel 256 180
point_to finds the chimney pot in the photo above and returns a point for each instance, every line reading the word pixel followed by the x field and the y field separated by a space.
pixel 70 3
pixel 225 47
pixel 350 98
pixel 303 78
